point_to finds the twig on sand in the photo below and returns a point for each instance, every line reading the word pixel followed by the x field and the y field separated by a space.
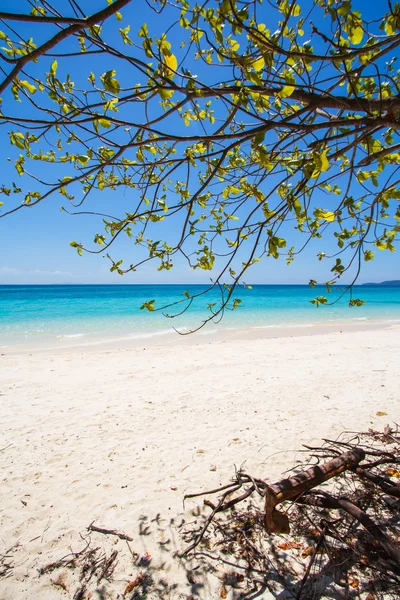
pixel 121 535
pixel 94 566
pixel 5 447
pixel 7 566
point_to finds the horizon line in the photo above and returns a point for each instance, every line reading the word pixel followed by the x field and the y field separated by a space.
pixel 188 284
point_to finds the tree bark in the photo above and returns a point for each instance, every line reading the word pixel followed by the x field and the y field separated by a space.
pixel 293 487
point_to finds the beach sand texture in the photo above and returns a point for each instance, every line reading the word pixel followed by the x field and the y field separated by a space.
pixel 118 437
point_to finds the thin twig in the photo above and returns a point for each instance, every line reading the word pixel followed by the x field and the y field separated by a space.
pixel 122 536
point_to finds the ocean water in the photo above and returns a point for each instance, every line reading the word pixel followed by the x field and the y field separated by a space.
pixel 60 314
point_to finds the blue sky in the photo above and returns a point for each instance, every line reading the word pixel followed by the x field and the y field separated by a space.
pixel 34 242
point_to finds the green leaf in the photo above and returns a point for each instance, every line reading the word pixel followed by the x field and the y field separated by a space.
pixel 77 246
pixel 356 302
pixel 344 8
pixel 99 239
pixel 319 300
pixel 110 83
pixel 148 305
pixel 368 255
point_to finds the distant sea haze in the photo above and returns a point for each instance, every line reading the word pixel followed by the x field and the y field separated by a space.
pixel 53 314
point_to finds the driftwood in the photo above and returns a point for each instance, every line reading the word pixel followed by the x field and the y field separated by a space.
pixel 295 486
pixel 287 489
pixel 347 530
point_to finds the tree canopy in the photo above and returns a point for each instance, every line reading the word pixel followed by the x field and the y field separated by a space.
pixel 252 126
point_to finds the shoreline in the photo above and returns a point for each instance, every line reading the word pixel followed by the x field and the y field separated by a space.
pixel 204 336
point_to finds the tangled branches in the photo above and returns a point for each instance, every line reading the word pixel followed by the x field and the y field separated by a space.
pixel 94 565
pixel 345 534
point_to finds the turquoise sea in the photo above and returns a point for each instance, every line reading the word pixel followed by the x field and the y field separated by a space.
pixel 63 314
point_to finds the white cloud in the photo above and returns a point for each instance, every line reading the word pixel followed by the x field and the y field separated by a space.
pixel 50 273
pixel 9 271
pixel 12 275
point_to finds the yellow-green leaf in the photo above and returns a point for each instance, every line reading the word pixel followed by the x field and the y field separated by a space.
pixel 328 216
pixel 165 93
pixel 27 86
pixel 390 26
pixel 324 162
pixel 321 164
pixel 104 123
pixel 172 63
pixel 344 8
pixel 356 34
pixel 258 64
pixel 368 255
pixel 286 91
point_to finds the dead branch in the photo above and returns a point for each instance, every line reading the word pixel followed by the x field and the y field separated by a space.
pixel 208 521
pixel 388 545
pixel 357 547
pixel 384 483
pixel 293 487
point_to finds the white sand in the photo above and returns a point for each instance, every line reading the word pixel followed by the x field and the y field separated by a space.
pixel 118 437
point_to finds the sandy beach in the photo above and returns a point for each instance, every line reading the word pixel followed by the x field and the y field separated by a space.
pixel 117 436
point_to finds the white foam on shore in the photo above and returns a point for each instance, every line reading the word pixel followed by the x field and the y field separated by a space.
pixel 145 335
pixel 286 326
pixel 70 335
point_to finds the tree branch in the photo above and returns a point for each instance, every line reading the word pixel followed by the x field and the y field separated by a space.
pixel 101 15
